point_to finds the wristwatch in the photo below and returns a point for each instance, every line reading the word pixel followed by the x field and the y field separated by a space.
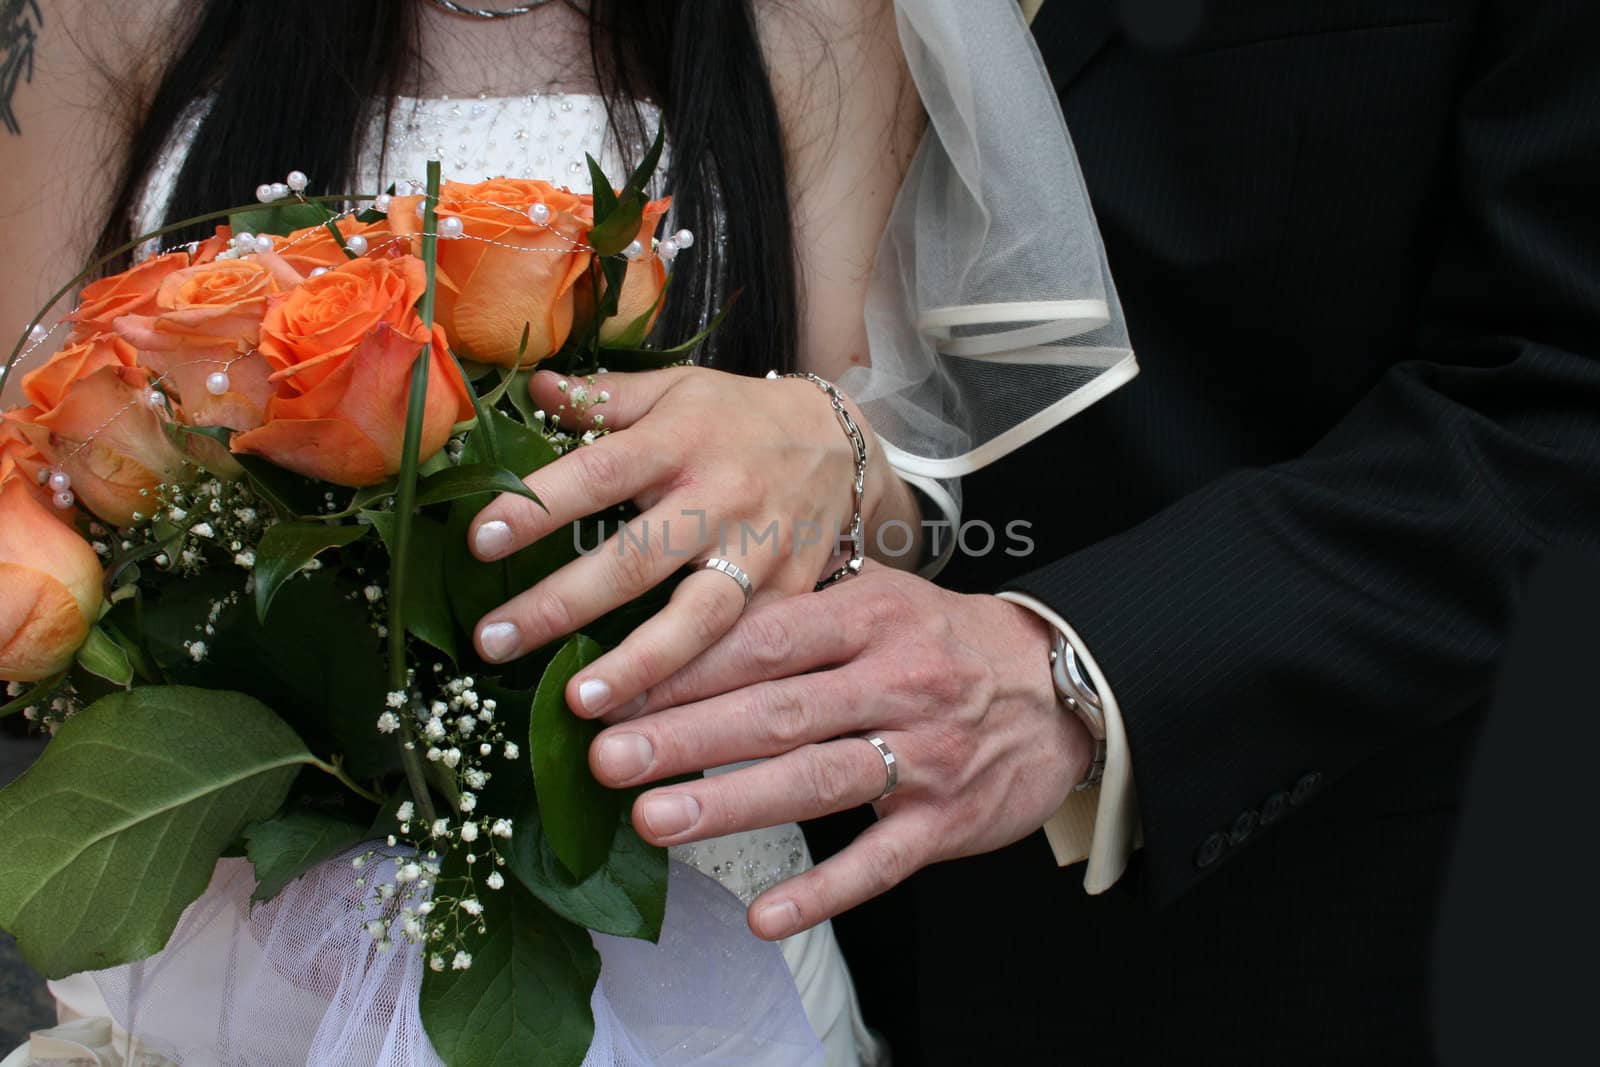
pixel 1077 692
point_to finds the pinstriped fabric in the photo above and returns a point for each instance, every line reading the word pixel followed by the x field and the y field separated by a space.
pixel 1349 471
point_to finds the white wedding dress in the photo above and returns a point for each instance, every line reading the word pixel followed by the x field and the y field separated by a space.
pixel 546 136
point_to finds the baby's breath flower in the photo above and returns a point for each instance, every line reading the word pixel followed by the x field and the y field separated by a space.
pixel 469 832
pixel 388 723
pixel 436 963
pixel 396 699
pixel 472 907
pixel 441 828
pixel 501 828
pixel 495 880
pixel 434 730
pixel 468 801
pixel 404 812
pixel 452 757
pixel 511 750
pixel 462 962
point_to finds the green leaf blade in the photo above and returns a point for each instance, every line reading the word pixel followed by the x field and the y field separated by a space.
pixel 116 828
pixel 471 480
pixel 427 600
pixel 626 896
pixel 287 548
pixel 580 815
pixel 284 848
pixel 524 1002
pixel 104 658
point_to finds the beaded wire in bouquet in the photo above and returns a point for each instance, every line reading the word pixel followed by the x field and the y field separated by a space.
pixel 236 589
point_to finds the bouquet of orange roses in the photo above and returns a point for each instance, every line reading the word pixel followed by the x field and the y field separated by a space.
pixel 234 587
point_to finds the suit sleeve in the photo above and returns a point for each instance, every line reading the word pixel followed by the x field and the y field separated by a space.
pixel 1269 632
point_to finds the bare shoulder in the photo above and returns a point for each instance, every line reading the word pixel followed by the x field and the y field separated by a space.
pixel 74 75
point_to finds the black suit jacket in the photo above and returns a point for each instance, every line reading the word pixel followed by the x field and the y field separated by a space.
pixel 1358 245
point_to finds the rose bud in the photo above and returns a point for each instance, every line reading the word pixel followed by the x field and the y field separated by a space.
pixel 50 587
pixel 641 286
pixel 507 272
pixel 343 346
pixel 91 418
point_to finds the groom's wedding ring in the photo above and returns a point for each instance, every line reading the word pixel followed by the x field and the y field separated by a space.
pixel 891 772
pixel 732 570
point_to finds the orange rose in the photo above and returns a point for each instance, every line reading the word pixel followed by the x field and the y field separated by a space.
pixel 49 587
pixel 212 247
pixel 506 273
pixel 19 459
pixel 306 250
pixel 90 418
pixel 132 292
pixel 343 346
pixel 206 322
pixel 641 285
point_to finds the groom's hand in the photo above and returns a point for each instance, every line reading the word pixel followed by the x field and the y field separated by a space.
pixel 958 687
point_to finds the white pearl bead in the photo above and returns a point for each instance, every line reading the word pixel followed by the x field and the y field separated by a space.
pixel 297 181
pixel 44 476
pixel 155 398
pixel 64 499
pixel 422 207
pixel 245 238
pixel 263 243
pixel 451 228
pixel 264 192
pixel 38 334
pixel 279 190
pixel 60 481
pixel 539 213
pixel 382 202
pixel 319 272
pixel 357 244
pixel 667 250
pixel 217 383
pixel 684 238
pixel 634 250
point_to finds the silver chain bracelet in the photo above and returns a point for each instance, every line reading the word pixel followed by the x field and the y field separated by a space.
pixel 858 540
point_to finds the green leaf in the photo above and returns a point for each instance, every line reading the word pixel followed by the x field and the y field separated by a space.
pixel 618 224
pixel 632 359
pixel 116 828
pixel 524 1002
pixel 289 494
pixel 605 194
pixel 470 480
pixel 316 659
pixel 625 896
pixel 281 217
pixel 363 500
pixel 102 656
pixel 580 815
pixel 284 848
pixel 427 601
pixel 285 550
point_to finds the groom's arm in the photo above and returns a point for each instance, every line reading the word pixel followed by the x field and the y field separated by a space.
pixel 1279 626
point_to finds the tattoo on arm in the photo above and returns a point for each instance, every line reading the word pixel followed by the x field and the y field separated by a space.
pixel 19 30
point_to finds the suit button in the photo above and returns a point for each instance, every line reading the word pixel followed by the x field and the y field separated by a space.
pixel 1304 788
pixel 1274 807
pixel 1243 827
pixel 1211 851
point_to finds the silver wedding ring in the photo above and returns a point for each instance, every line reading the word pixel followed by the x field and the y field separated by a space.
pixel 891 772
pixel 732 570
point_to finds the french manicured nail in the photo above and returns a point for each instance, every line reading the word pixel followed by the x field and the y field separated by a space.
pixel 670 814
pixel 624 757
pixel 594 695
pixel 500 641
pixel 492 540
pixel 777 920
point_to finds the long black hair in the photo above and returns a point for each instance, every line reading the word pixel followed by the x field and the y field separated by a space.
pixel 698 60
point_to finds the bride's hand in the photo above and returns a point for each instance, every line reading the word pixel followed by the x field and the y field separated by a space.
pixel 753 470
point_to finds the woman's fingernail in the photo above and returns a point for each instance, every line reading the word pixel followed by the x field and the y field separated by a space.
pixel 670 813
pixel 623 757
pixel 594 695
pixel 779 919
pixel 492 540
pixel 500 641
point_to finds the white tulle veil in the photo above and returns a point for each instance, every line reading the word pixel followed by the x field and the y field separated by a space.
pixel 992 317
